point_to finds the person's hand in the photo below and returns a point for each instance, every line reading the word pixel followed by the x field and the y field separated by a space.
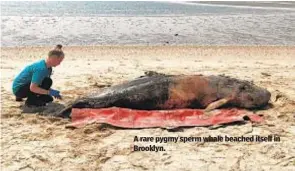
pixel 54 93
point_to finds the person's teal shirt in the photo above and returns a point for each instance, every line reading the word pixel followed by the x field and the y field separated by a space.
pixel 34 73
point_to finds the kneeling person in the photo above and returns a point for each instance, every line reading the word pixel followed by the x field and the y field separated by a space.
pixel 34 81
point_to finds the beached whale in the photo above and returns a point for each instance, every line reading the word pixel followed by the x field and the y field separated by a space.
pixel 156 91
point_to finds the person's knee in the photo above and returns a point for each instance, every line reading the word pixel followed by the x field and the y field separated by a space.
pixel 46 98
pixel 46 83
pixel 50 99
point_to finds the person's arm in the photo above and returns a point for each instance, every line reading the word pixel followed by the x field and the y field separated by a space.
pixel 36 89
pixel 37 79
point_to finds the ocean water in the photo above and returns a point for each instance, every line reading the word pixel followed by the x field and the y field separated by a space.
pixel 148 23
pixel 120 8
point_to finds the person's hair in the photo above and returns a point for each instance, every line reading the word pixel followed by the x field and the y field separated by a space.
pixel 56 52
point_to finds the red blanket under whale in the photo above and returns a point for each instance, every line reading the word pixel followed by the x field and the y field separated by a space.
pixel 130 118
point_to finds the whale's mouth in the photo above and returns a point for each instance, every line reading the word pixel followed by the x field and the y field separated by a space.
pixel 131 118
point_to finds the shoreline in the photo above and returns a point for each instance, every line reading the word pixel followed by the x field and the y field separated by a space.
pixel 245 4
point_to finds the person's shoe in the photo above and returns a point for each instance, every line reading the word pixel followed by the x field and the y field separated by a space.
pixel 18 99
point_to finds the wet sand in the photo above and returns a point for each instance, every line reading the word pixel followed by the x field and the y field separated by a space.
pixel 279 4
pixel 31 141
pixel 228 28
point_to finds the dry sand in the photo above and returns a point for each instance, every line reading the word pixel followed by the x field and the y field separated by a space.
pixel 33 142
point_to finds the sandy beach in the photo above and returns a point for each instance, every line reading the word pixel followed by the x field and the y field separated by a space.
pixel 40 141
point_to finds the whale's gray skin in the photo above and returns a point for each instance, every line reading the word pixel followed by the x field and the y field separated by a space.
pixel 158 91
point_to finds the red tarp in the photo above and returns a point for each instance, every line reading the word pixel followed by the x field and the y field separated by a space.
pixel 129 118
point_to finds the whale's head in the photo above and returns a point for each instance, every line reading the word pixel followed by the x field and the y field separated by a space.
pixel 243 93
pixel 252 96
